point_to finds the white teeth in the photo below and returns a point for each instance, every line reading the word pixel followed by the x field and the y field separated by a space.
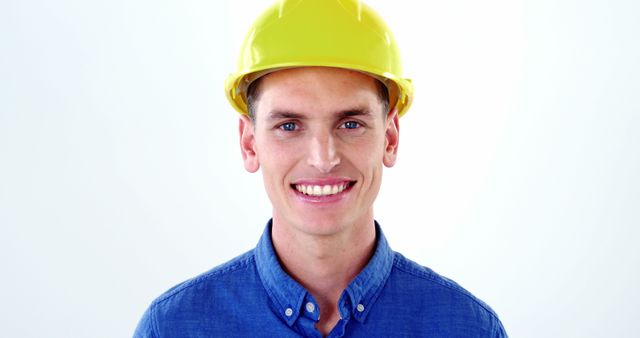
pixel 324 190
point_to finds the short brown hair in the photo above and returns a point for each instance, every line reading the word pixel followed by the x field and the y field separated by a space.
pixel 253 94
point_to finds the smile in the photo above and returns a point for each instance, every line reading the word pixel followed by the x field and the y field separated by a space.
pixel 321 190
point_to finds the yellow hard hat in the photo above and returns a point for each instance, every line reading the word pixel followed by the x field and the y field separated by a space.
pixel 330 33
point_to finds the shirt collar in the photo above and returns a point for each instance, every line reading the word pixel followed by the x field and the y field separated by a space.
pixel 288 295
pixel 363 291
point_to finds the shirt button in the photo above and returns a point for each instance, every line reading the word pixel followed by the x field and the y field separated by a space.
pixel 310 307
pixel 288 312
pixel 360 307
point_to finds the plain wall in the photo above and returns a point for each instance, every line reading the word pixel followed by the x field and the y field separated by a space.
pixel 120 173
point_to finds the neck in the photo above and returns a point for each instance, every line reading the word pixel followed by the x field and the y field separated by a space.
pixel 324 264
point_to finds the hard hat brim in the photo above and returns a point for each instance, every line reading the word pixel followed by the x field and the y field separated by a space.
pixel 400 89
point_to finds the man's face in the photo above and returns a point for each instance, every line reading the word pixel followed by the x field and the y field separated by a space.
pixel 321 138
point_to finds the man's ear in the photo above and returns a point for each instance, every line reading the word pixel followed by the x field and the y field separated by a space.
pixel 392 138
pixel 247 144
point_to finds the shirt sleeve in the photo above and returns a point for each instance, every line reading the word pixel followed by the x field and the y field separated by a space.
pixel 500 332
pixel 145 326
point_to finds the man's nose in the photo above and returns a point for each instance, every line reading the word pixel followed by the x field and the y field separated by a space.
pixel 323 154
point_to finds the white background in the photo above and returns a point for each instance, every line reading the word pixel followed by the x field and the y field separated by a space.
pixel 120 173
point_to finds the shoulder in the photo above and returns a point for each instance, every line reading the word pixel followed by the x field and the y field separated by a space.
pixel 235 268
pixel 191 303
pixel 441 297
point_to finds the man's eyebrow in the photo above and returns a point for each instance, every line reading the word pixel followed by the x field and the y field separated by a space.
pixel 284 114
pixel 359 112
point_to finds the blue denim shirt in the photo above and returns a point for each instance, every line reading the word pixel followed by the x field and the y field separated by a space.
pixel 252 296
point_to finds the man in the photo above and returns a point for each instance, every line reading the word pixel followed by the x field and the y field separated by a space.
pixel 320 91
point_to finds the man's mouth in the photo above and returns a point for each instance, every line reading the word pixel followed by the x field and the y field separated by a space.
pixel 322 190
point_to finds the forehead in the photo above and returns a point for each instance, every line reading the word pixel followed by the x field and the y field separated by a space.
pixel 312 89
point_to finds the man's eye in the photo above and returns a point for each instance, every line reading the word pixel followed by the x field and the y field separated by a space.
pixel 351 125
pixel 289 126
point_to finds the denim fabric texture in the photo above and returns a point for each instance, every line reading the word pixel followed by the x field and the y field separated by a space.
pixel 252 296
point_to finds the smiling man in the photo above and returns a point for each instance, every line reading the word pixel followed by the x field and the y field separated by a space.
pixel 320 93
